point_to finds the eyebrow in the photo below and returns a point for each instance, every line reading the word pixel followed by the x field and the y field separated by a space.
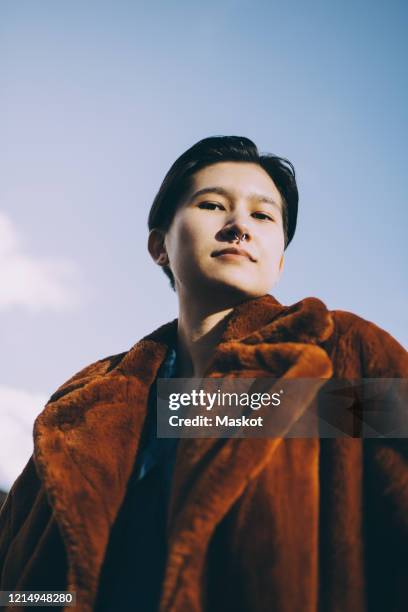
pixel 224 192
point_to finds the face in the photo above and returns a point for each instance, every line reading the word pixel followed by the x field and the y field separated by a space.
pixel 227 199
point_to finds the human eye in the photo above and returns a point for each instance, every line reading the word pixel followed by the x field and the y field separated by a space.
pixel 210 205
pixel 263 216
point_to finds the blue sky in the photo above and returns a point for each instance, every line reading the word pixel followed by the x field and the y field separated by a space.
pixel 97 101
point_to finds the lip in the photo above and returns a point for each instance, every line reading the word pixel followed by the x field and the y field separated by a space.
pixel 233 251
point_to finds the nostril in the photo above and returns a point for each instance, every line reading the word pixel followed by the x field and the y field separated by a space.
pixel 231 233
pixel 237 235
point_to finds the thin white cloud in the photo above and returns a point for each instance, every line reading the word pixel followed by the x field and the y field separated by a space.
pixel 18 410
pixel 36 283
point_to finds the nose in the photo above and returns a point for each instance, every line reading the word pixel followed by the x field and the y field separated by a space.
pixel 233 230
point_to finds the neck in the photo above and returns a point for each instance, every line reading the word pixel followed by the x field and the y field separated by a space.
pixel 200 327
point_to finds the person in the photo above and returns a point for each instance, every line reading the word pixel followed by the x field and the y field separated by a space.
pixel 128 520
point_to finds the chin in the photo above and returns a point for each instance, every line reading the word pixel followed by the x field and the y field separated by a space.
pixel 236 287
pixel 232 283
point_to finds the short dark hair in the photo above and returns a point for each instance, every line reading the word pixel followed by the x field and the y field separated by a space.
pixel 211 151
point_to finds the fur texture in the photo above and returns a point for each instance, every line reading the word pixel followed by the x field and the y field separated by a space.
pixel 293 525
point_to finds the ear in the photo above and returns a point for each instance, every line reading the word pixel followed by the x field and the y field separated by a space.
pixel 280 270
pixel 157 248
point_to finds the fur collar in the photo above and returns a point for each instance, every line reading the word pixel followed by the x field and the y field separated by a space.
pixel 86 439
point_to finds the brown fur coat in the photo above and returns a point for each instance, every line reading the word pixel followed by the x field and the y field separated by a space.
pixel 290 525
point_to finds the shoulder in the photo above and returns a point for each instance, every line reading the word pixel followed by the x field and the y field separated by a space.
pixel 380 354
pixel 88 373
pixel 165 333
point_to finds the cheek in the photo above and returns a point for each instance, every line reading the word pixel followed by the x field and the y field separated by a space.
pixel 188 233
pixel 183 240
pixel 196 231
pixel 272 250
